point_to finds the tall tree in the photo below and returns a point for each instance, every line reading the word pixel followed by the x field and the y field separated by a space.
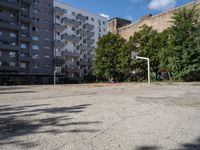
pixel 183 52
pixel 107 57
pixel 147 43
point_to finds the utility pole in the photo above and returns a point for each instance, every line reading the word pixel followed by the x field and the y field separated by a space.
pixel 134 55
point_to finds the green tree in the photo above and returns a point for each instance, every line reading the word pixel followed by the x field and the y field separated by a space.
pixel 107 56
pixel 182 56
pixel 147 43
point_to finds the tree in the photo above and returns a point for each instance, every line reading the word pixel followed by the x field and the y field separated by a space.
pixel 182 55
pixel 147 43
pixel 107 57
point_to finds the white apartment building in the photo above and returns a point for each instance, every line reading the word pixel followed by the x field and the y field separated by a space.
pixel 76 33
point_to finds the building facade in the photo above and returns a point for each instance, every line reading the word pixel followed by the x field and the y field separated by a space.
pixel 76 33
pixel 26 40
pixel 159 22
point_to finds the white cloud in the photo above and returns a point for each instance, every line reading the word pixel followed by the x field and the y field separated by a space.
pixel 105 16
pixel 162 4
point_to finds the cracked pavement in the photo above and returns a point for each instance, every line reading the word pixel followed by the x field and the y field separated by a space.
pixel 100 117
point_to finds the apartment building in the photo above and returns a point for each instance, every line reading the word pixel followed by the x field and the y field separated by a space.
pixel 26 40
pixel 76 33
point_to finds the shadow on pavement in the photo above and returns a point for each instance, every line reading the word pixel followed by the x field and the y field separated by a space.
pixel 185 146
pixel 28 120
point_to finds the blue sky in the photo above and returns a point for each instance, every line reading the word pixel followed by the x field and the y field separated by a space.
pixel 128 9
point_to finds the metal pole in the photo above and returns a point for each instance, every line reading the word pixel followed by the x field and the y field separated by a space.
pixel 149 78
pixel 148 64
pixel 54 77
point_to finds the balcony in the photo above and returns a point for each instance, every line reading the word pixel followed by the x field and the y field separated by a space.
pixel 90 41
pixel 81 18
pixel 58 11
pixel 88 27
pixel 25 38
pixel 27 1
pixel 72 68
pixel 11 5
pixel 72 38
pixel 59 28
pixel 25 58
pixel 26 19
pixel 8 25
pixel 59 60
pixel 85 63
pixel 86 48
pixel 59 44
pixel 9 68
pixel 85 33
pixel 4 45
pixel 71 22
pixel 71 54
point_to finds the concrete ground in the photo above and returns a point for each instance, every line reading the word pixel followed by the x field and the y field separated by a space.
pixel 100 117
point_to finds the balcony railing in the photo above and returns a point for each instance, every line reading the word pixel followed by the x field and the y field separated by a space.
pixel 9 68
pixel 70 38
pixel 67 21
pixel 25 18
pixel 59 60
pixel 59 11
pixel 27 1
pixel 81 18
pixel 25 58
pixel 13 5
pixel 8 25
pixel 71 54
pixel 5 45
pixel 85 33
pixel 88 27
pixel 59 27
pixel 85 63
pixel 59 44
pixel 86 48
pixel 25 38
pixel 90 41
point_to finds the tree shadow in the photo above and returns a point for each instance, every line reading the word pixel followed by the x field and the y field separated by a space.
pixel 185 146
pixel 27 120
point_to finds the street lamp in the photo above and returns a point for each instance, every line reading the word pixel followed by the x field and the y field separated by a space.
pixel 134 55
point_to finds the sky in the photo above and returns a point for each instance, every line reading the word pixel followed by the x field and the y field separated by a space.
pixel 127 9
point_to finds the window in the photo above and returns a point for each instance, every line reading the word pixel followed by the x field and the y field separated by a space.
pixel 23 26
pixel 73 13
pixel 13 35
pixel 35 56
pixel 57 33
pixel 35 47
pixel 73 44
pixel 92 19
pixel 47 47
pixel 12 14
pixel 73 29
pixel 23 45
pixel 12 64
pixel 47 39
pixel 104 23
pixel 36 1
pixel 1 33
pixel 35 11
pixel 36 19
pixel 47 56
pixel 0 53
pixel 36 29
pixel 23 65
pixel 0 63
pixel 35 38
pixel 12 54
pixel 35 66
pixel 58 17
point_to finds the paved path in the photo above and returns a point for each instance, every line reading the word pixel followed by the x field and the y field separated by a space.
pixel 100 117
